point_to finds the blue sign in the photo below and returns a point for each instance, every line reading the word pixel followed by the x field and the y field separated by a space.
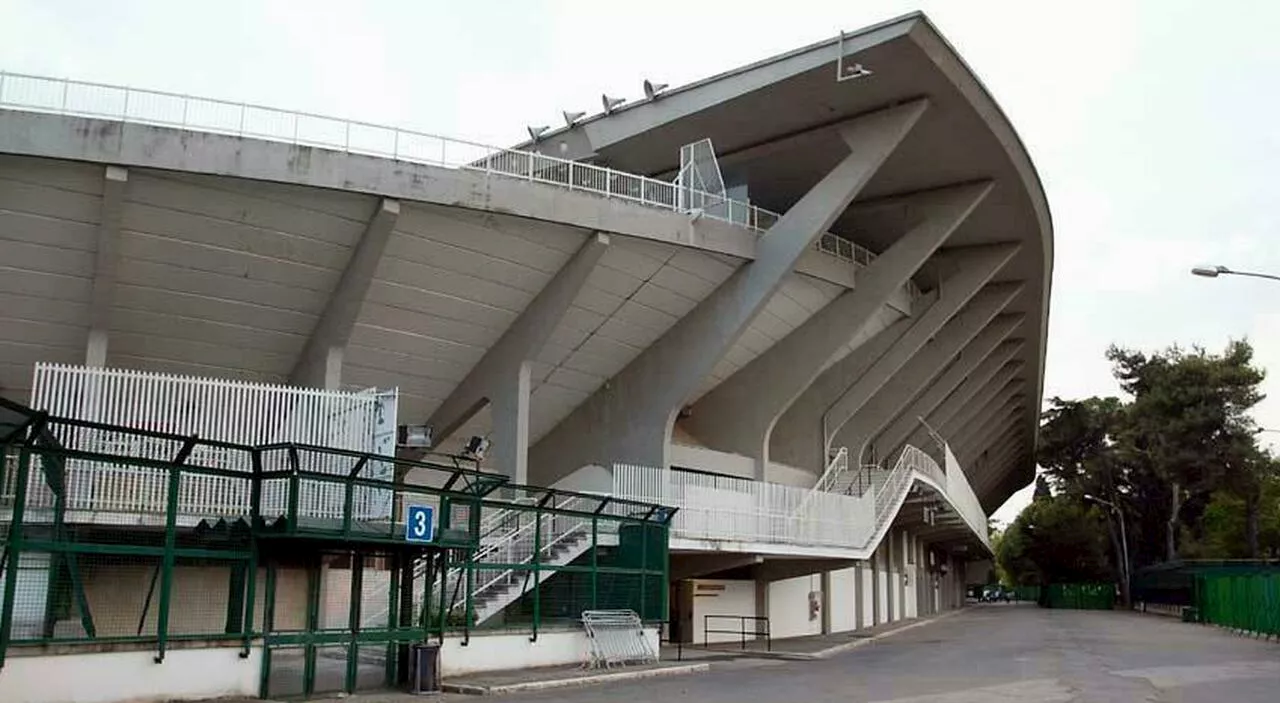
pixel 420 523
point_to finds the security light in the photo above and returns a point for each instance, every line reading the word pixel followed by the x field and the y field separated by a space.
pixel 1209 271
pixel 476 447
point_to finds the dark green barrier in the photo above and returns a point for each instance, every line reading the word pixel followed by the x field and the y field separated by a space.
pixel 1248 602
pixel 1081 596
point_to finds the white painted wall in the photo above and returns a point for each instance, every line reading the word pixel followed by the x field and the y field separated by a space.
pixel 515 651
pixel 843 600
pixel 718 597
pixel 789 607
pixel 108 677
pixel 711 460
pixel 588 479
pixel 791 475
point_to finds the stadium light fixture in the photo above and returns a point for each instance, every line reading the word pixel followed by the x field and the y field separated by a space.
pixel 653 90
pixel 570 118
pixel 610 103
pixel 536 132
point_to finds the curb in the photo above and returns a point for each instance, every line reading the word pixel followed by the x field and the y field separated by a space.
pixel 574 681
pixel 846 646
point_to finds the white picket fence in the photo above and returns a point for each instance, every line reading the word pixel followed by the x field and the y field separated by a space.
pixel 218 410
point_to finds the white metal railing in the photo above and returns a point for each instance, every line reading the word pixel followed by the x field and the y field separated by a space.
pixel 212 409
pixel 838 465
pixel 152 107
pixel 724 508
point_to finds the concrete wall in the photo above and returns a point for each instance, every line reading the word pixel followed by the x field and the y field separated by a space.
pixel 789 606
pixel 515 651
pixel 109 677
pixel 843 600
pixel 719 597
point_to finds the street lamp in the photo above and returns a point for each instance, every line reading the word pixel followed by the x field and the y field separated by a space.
pixel 1124 544
pixel 1215 271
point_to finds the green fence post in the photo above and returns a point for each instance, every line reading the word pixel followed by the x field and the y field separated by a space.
pixel 353 621
pixel 644 568
pixel 268 625
pixel 14 552
pixel 294 480
pixel 166 573
pixel 312 624
pixel 393 619
pixel 595 561
pixel 665 590
pixel 535 562
pixel 251 585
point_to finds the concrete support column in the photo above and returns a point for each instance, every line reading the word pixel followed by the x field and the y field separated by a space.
pixel 859 616
pixel 320 363
pixel 629 419
pixel 738 415
pixel 972 268
pixel 860 421
pixel 115 181
pixel 825 585
pixel 500 370
pixel 511 424
pixel 890 588
pixel 876 570
pixel 986 347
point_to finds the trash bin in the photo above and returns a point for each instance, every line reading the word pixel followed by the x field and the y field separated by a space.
pixel 424 668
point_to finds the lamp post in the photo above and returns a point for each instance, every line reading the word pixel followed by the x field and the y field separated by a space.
pixel 1215 271
pixel 1124 542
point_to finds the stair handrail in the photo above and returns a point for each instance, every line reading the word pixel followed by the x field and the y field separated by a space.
pixel 522 535
pixel 835 468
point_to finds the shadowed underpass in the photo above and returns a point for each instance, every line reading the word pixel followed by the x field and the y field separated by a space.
pixel 991 654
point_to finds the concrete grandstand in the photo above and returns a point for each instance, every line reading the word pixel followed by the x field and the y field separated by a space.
pixel 803 302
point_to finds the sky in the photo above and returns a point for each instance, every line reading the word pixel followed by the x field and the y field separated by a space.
pixel 1155 126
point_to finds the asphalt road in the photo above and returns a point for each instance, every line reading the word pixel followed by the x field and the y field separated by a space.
pixel 991 654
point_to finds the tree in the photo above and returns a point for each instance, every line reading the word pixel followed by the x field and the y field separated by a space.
pixel 1188 422
pixel 1055 539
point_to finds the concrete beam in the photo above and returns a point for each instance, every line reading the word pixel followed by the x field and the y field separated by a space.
pixel 976 430
pixel 993 373
pixel 320 363
pixel 1005 449
pixel 978 351
pixel 781 569
pixel 521 342
pixel 1003 384
pixel 629 419
pixel 738 415
pixel 971 269
pixel 967 446
pixel 797 437
pixel 856 421
pixel 114 182
pixel 688 566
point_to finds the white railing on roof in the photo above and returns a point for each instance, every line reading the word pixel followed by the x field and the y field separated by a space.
pixel 737 509
pixel 153 107
pixel 223 410
pixel 730 509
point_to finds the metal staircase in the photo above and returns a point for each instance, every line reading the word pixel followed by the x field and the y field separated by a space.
pixel 510 540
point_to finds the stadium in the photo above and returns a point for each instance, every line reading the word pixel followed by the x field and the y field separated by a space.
pixel 286 394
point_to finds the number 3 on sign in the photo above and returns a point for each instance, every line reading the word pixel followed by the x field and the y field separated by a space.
pixel 420 524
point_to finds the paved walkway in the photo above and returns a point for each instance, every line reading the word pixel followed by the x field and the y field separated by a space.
pixel 990 654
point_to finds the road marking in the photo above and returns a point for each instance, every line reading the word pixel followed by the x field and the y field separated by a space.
pixel 1039 690
pixel 1174 676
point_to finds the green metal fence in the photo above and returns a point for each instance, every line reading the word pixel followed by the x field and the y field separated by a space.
pixel 1080 596
pixel 1249 602
pixel 296 547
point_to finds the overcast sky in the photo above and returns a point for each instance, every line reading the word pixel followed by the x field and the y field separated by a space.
pixel 1155 126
